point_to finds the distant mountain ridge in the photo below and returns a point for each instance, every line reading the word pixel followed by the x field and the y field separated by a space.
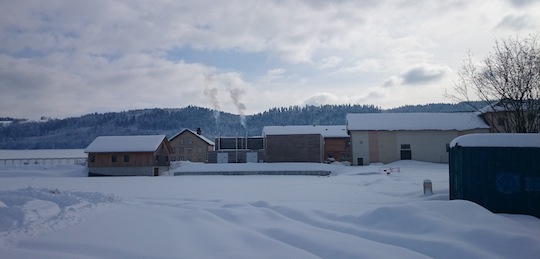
pixel 78 132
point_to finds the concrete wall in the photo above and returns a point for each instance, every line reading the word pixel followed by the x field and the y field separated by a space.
pixel 360 147
pixel 427 146
pixel 385 146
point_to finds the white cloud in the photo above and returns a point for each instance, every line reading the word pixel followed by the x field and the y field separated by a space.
pixel 276 72
pixel 73 57
pixel 324 98
pixel 419 75
pixel 321 99
pixel 516 22
pixel 329 62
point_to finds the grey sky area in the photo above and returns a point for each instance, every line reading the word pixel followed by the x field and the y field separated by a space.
pixel 69 58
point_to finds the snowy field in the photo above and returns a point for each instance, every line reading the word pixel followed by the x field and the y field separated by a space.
pixel 357 212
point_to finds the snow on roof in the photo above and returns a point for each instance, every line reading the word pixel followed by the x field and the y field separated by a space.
pixel 414 121
pixel 497 140
pixel 194 133
pixel 142 143
pixel 333 131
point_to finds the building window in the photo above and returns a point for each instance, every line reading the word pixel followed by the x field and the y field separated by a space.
pixel 181 141
pixel 181 158
pixel 113 159
pixel 189 158
pixel 199 150
pixel 173 150
pixel 405 146
pixel 181 150
pixel 189 150
pixel 92 159
pixel 190 141
pixel 126 159
pixel 347 143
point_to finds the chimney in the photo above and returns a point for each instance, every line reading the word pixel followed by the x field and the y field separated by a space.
pixel 198 131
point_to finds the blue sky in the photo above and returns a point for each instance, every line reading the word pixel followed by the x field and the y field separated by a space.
pixel 69 58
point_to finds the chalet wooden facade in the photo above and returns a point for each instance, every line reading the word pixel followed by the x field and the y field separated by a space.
pixel 145 155
pixel 189 145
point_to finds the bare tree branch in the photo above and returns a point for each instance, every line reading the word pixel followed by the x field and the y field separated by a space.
pixel 508 80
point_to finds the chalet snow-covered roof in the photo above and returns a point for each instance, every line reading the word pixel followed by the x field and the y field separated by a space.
pixel 194 133
pixel 498 140
pixel 332 131
pixel 415 121
pixel 140 143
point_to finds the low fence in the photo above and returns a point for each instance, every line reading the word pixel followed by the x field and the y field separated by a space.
pixel 44 161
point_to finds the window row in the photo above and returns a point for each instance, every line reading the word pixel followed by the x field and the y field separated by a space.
pixel 189 141
pixel 189 158
pixel 126 158
pixel 189 150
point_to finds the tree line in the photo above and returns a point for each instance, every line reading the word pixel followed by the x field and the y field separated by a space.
pixel 78 132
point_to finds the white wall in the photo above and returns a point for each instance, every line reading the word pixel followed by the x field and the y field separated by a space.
pixel 360 146
pixel 426 145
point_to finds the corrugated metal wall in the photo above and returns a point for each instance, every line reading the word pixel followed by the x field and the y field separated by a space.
pixel 502 179
pixel 294 148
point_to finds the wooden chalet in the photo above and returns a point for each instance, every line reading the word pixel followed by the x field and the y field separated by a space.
pixel 144 155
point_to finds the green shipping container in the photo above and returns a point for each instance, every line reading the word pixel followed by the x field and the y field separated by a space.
pixel 501 172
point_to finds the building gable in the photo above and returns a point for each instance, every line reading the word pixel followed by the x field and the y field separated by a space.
pixel 194 133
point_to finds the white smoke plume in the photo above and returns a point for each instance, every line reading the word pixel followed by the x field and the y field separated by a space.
pixel 212 94
pixel 236 93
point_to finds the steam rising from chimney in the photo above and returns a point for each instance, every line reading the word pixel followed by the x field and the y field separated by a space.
pixel 236 93
pixel 212 94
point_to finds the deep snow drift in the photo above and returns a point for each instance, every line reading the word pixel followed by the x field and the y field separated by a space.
pixel 357 212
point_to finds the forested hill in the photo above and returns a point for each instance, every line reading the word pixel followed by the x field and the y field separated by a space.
pixel 78 132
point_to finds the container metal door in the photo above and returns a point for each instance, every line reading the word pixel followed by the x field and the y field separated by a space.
pixel 222 158
pixel 252 157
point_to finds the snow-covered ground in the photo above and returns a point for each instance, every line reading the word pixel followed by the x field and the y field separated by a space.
pixel 357 212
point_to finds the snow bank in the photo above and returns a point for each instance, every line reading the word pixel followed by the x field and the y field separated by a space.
pixel 32 211
pixel 357 212
pixel 33 170
pixel 41 153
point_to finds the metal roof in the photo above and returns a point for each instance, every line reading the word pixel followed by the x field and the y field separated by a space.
pixel 415 121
